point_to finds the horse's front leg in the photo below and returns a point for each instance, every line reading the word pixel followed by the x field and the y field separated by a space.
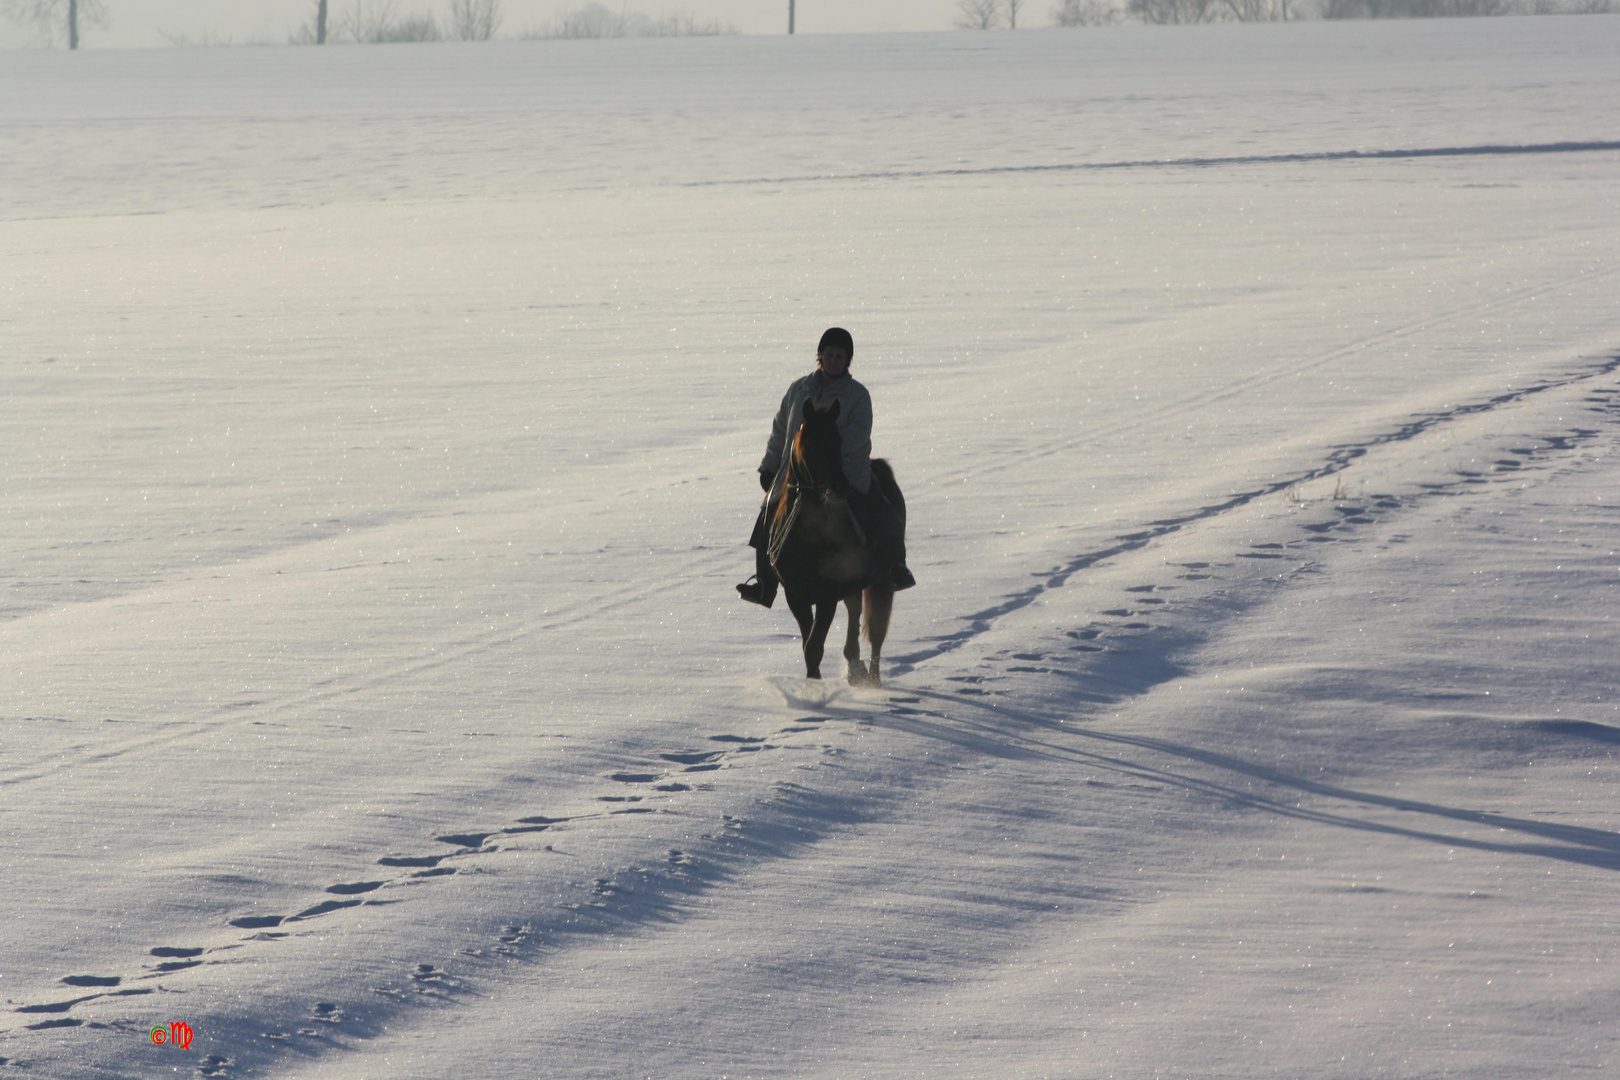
pixel 815 644
pixel 852 642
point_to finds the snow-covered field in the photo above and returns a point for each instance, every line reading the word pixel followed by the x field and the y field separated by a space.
pixel 378 439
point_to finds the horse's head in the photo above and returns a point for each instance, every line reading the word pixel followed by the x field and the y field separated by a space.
pixel 818 449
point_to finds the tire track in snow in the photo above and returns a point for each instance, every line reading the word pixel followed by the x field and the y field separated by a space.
pixel 1384 336
pixel 1337 461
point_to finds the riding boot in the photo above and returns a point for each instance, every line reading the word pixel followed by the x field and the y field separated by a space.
pixel 761 591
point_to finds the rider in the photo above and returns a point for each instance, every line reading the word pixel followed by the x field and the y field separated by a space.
pixel 830 382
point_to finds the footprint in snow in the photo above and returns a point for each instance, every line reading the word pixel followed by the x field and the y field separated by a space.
pixel 175 965
pixel 214 1065
pixel 432 980
pixel 634 777
pixel 93 980
pixel 323 908
pixel 56 1006
pixel 692 757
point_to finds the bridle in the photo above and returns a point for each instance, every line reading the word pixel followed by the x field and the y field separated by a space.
pixel 803 484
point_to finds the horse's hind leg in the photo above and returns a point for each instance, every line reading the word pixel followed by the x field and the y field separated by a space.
pixel 879 606
pixel 852 642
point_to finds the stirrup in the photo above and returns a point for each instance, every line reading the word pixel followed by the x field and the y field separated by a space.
pixel 755 592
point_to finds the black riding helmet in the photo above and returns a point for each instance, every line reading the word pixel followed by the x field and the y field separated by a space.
pixel 837 337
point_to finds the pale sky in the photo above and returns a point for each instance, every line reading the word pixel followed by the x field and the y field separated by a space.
pixel 140 23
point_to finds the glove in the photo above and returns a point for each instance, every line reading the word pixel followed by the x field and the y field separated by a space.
pixel 765 480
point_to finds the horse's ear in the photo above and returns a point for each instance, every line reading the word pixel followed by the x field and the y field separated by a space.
pixel 808 409
pixel 832 413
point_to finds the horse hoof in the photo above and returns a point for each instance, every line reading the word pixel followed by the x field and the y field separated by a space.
pixel 857 673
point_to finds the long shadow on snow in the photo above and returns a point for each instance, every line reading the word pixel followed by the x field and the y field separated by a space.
pixel 1573 843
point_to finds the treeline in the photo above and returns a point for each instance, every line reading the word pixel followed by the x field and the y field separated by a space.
pixel 991 14
pixel 372 22
pixel 1164 12
pixel 382 21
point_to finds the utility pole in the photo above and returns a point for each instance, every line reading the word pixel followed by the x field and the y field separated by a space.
pixel 73 24
pixel 790 16
pixel 320 23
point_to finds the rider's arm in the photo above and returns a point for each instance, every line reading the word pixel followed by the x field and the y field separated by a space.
pixel 779 433
pixel 855 428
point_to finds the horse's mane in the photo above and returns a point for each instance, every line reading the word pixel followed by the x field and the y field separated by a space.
pixel 796 463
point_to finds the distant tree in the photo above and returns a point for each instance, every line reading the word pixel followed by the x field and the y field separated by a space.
pixel 1013 7
pixel 320 22
pixel 978 14
pixel 1415 9
pixel 47 15
pixel 596 20
pixel 1260 10
pixel 375 22
pixel 474 20
pixel 1166 12
pixel 1086 13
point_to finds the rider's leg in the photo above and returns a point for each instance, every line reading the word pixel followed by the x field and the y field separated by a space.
pixel 762 591
pixel 885 525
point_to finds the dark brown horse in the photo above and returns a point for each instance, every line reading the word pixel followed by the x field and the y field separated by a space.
pixel 819 553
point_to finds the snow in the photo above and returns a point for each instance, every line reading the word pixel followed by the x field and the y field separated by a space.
pixel 379 435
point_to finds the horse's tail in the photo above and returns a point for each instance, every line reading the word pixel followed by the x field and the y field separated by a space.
pixel 886 482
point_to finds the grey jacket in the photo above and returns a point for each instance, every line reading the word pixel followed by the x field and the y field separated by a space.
pixel 854 424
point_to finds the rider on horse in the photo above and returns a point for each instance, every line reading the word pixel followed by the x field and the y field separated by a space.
pixel 829 383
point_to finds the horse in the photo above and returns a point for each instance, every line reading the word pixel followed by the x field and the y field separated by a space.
pixel 819 553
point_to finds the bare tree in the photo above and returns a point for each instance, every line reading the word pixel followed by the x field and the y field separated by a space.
pixel 375 22
pixel 1414 9
pixel 474 20
pixel 1086 13
pixel 978 14
pixel 1165 12
pixel 47 15
pixel 1260 10
pixel 596 20
pixel 320 22
pixel 1012 12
